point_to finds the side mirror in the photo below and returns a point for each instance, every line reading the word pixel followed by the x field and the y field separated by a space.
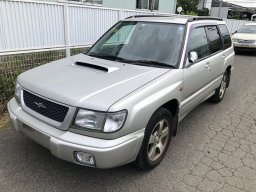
pixel 192 57
pixel 234 32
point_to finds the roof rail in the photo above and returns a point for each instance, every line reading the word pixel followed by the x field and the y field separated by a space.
pixel 137 16
pixel 190 18
pixel 204 18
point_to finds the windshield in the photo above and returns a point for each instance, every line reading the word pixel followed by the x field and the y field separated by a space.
pixel 142 43
pixel 248 29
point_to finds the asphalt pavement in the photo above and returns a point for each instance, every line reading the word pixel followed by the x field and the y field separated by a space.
pixel 214 150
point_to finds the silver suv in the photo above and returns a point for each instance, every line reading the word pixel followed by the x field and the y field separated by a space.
pixel 121 102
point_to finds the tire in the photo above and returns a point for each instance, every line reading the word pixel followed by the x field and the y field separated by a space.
pixel 220 92
pixel 156 140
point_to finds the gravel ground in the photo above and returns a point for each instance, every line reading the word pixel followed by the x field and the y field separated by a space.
pixel 215 150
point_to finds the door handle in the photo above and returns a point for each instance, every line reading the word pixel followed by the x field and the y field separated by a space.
pixel 208 65
pixel 224 56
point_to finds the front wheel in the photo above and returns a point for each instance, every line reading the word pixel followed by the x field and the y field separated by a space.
pixel 156 140
pixel 220 92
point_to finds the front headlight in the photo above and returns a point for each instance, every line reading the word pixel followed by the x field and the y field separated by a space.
pixel 100 121
pixel 234 40
pixel 17 93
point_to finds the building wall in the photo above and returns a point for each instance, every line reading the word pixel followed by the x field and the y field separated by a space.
pixel 165 6
pixel 204 4
pixel 223 12
pixel 53 1
pixel 120 4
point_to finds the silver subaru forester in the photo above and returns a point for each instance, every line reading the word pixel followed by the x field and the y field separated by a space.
pixel 121 102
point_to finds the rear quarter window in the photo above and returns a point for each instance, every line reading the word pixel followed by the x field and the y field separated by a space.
pixel 225 36
pixel 214 39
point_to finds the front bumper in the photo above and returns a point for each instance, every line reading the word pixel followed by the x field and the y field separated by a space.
pixel 63 144
pixel 244 45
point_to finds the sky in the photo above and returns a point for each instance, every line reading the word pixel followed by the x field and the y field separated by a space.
pixel 244 3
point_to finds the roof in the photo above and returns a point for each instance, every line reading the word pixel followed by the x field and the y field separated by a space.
pixel 181 19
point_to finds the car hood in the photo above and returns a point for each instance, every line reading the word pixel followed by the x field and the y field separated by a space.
pixel 87 82
pixel 245 36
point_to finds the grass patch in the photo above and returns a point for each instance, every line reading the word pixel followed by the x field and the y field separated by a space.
pixel 5 121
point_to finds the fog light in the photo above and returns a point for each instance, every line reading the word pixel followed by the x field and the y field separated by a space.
pixel 85 158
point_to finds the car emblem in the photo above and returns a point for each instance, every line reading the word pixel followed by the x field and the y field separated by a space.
pixel 40 105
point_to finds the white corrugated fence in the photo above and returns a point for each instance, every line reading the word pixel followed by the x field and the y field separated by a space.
pixel 31 25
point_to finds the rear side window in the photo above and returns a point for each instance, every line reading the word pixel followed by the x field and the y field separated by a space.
pixel 199 43
pixel 225 36
pixel 215 43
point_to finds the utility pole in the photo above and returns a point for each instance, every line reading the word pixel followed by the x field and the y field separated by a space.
pixel 220 6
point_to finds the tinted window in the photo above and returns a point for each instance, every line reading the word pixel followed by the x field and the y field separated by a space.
pixel 215 43
pixel 225 36
pixel 198 42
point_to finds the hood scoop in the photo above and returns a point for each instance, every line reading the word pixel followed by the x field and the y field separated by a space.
pixel 97 67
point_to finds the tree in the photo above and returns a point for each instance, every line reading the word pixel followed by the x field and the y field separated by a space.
pixel 203 12
pixel 191 13
pixel 188 5
pixel 234 15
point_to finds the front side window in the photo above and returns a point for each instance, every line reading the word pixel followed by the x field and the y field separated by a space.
pixel 147 4
pixel 215 43
pixel 225 36
pixel 199 42
pixel 145 43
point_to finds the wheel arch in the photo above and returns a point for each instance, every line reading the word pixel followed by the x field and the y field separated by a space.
pixel 228 70
pixel 173 107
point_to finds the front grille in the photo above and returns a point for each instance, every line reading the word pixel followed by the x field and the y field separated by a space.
pixel 246 41
pixel 44 107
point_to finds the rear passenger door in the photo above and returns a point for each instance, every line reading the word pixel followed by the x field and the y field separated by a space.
pixel 228 53
pixel 217 56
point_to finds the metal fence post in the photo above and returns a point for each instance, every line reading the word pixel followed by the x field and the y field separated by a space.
pixel 232 29
pixel 66 29
pixel 119 14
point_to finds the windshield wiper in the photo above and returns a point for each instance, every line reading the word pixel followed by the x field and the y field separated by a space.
pixel 110 57
pixel 135 62
pixel 154 63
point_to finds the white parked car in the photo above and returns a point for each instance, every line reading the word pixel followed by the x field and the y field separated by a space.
pixel 245 37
